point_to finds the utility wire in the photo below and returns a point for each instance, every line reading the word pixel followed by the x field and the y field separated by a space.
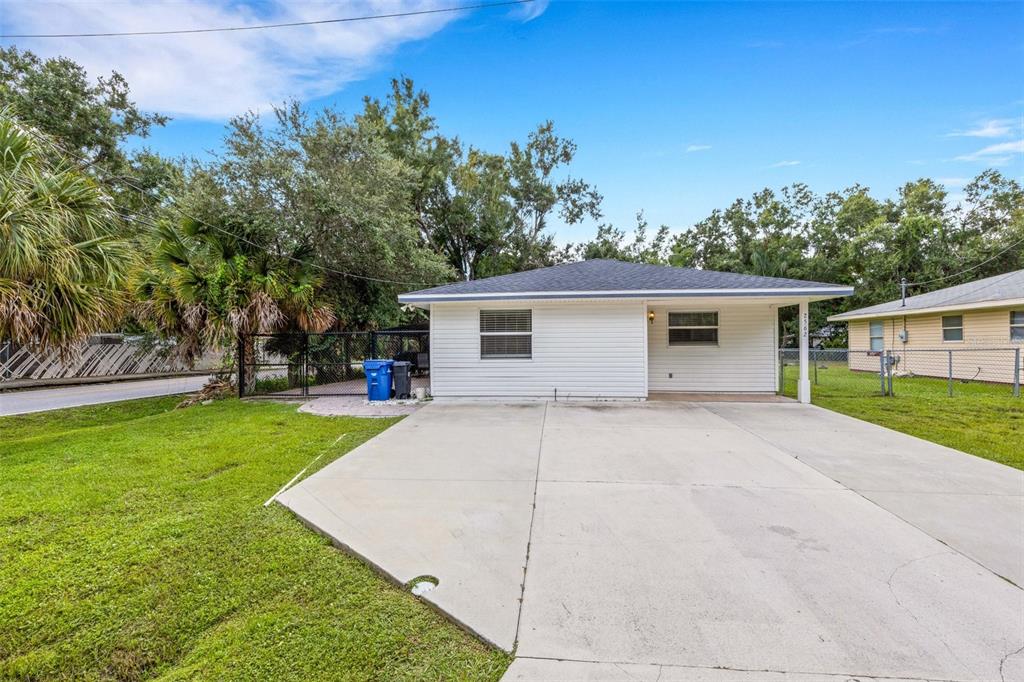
pixel 260 27
pixel 966 270
pixel 173 205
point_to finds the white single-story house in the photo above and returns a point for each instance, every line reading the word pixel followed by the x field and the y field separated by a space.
pixel 606 329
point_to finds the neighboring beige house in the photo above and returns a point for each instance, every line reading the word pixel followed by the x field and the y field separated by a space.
pixel 982 322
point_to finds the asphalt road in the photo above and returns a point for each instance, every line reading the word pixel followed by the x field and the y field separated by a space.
pixel 43 399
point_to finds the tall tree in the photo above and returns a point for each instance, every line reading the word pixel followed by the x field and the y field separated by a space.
pixel 610 242
pixel 90 121
pixel 322 185
pixel 63 264
pixel 850 237
pixel 485 213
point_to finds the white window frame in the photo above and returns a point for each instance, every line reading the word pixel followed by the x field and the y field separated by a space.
pixel 942 324
pixel 670 326
pixel 880 335
pixel 511 333
pixel 1019 325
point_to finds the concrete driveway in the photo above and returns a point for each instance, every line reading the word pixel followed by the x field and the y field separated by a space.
pixel 692 541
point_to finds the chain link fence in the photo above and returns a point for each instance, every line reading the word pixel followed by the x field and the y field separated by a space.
pixel 927 373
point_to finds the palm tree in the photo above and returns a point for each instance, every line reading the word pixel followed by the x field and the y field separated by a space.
pixel 63 264
pixel 208 287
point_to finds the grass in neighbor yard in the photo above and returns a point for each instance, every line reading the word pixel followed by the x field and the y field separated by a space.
pixel 980 419
pixel 134 545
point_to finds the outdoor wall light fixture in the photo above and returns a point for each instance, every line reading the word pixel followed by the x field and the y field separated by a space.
pixel 650 317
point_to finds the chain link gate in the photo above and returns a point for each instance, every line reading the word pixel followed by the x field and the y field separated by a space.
pixel 299 364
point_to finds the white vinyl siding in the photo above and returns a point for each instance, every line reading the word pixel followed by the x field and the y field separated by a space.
pixel 742 361
pixel 582 348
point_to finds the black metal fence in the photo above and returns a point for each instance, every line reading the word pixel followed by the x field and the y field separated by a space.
pixel 298 365
pixel 979 372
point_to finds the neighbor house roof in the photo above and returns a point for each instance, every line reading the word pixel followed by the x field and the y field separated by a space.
pixel 991 292
pixel 601 278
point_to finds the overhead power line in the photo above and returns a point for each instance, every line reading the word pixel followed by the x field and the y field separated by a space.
pixel 966 270
pixel 260 27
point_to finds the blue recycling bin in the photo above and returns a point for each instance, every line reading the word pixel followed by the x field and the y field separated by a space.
pixel 378 379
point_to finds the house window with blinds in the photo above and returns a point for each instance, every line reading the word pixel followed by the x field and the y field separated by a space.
pixel 506 334
pixel 693 329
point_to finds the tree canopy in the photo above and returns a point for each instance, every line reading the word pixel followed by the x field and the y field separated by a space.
pixel 63 263
pixel 304 219
pixel 848 237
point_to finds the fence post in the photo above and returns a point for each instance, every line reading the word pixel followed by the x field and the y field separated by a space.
pixel 305 365
pixel 241 365
pixel 881 372
pixel 814 356
pixel 888 370
pixel 950 380
pixel 1016 372
pixel 373 344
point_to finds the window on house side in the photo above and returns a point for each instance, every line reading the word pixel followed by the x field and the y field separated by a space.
pixel 876 332
pixel 693 328
pixel 952 327
pixel 506 334
pixel 1017 326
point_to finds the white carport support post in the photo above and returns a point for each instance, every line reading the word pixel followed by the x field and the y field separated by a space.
pixel 803 384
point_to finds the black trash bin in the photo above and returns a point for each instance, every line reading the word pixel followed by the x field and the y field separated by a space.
pixel 401 371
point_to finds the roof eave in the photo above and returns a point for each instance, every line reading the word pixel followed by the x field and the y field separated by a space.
pixel 899 312
pixel 809 292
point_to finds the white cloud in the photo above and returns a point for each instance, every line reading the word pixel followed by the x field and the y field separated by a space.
pixel 998 153
pixel 217 75
pixel 784 164
pixel 697 148
pixel 531 10
pixel 952 182
pixel 996 127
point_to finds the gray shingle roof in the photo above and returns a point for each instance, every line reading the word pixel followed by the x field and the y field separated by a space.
pixel 601 277
pixel 1006 287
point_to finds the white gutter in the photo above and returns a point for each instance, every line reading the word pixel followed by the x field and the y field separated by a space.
pixel 624 293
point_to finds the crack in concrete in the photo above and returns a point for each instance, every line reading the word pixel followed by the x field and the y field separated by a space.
pixel 774 671
pixel 1004 659
pixel 913 615
pixel 529 537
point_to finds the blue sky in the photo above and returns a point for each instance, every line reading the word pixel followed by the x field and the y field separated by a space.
pixel 677 107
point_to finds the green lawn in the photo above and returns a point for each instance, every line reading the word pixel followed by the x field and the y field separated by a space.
pixel 982 419
pixel 134 545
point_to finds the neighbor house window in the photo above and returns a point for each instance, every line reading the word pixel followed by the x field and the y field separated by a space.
pixel 1017 326
pixel 876 332
pixel 506 334
pixel 952 327
pixel 691 329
